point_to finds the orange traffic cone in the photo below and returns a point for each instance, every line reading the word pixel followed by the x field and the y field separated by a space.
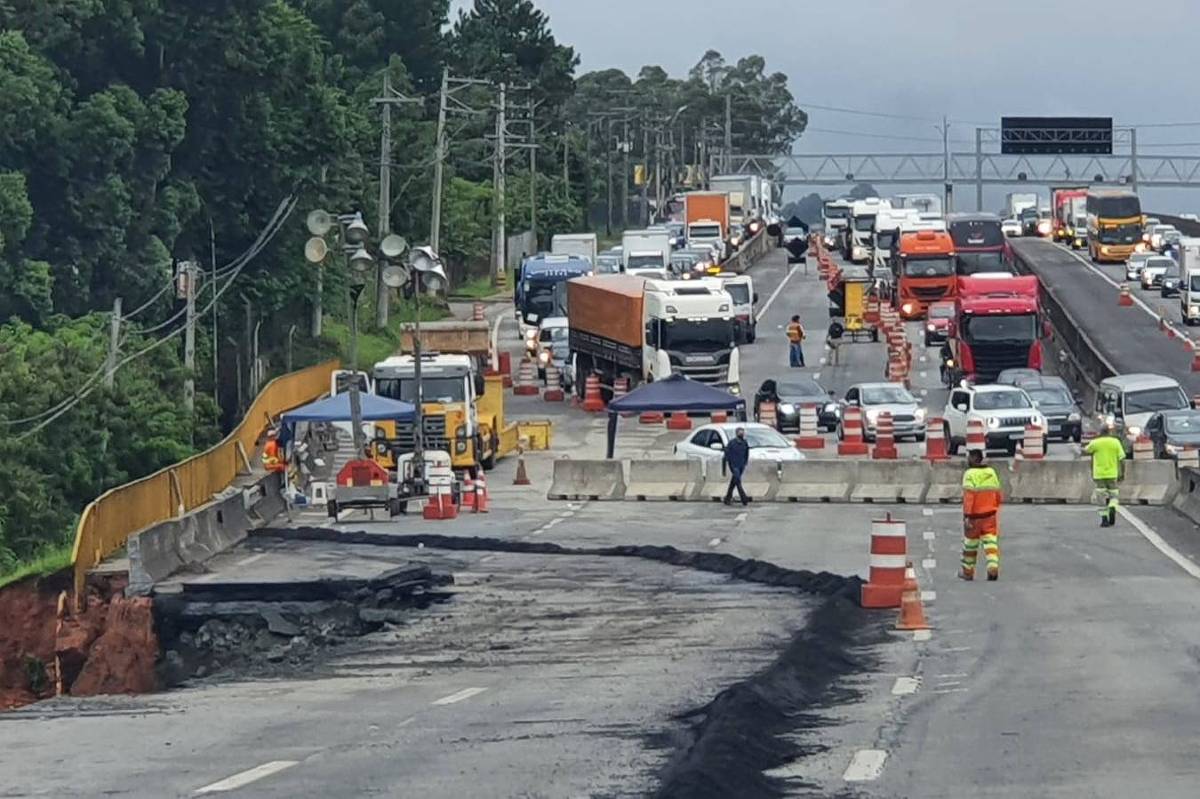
pixel 522 478
pixel 481 494
pixel 468 493
pixel 910 578
pixel 912 612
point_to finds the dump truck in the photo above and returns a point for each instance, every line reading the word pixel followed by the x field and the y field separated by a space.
pixel 462 409
pixel 644 330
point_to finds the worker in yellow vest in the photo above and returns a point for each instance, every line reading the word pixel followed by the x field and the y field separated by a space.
pixel 795 336
pixel 981 517
pixel 1107 452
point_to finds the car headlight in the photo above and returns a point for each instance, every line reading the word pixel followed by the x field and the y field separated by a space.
pixel 907 307
pixel 993 423
pixel 1133 432
pixel 1194 310
pixel 873 415
pixel 931 328
pixel 950 363
pixel 1173 450
pixel 544 357
pixel 1104 249
pixel 920 414
pixel 735 389
pixel 834 408
pixel 1074 417
pixel 787 407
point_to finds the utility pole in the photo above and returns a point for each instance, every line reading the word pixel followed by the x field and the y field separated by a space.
pixel 533 176
pixel 949 190
pixel 728 133
pixel 189 271
pixel 318 309
pixel 566 162
pixel 625 148
pixel 608 148
pixel 385 197
pixel 114 345
pixel 499 266
pixel 645 218
pixel 387 100
pixel 216 343
pixel 439 159
pixel 1133 166
pixel 979 169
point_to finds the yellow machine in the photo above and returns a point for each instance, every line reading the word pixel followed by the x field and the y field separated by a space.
pixel 462 409
pixel 849 295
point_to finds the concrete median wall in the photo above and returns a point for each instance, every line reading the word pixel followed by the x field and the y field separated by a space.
pixel 945 483
pixel 188 541
pixel 1067 482
pixel 817 480
pixel 664 479
pixel 760 480
pixel 1149 483
pixel 587 479
pixel 891 481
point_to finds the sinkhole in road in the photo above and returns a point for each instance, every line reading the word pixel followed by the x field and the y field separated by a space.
pixel 769 720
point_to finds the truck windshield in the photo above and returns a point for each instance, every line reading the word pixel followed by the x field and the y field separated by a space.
pixel 704 232
pixel 885 239
pixel 650 261
pixel 940 266
pixel 834 212
pixel 864 224
pixel 1021 329
pixel 972 263
pixel 1120 234
pixel 1194 285
pixel 544 301
pixel 697 335
pixel 977 233
pixel 1169 398
pixel 436 389
pixel 738 292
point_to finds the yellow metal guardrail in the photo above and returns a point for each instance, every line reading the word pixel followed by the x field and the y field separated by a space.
pixel 109 520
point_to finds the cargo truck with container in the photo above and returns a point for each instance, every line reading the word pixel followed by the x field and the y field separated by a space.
pixel 706 215
pixel 646 249
pixel 925 271
pixel 581 245
pixel 623 326
pixel 1189 280
pixel 997 326
pixel 861 229
pixel 1016 202
pixel 742 191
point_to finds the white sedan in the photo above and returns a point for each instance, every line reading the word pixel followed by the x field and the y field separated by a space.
pixel 1011 227
pixel 709 441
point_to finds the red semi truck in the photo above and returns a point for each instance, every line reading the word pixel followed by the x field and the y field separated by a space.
pixel 997 326
pixel 1068 207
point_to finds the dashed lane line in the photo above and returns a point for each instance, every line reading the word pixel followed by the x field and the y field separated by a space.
pixel 244 778
pixel 922 635
pixel 929 563
pixel 929 596
pixel 460 696
pixel 906 686
pixel 865 766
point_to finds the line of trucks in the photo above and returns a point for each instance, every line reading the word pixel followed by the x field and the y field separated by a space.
pixel 954 272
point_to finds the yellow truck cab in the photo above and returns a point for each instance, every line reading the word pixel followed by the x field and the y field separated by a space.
pixel 462 412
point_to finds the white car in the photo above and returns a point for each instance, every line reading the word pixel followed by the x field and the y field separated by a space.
pixel 908 417
pixel 766 444
pixel 1004 410
pixel 1155 268
pixel 1011 227
pixel 1156 235
pixel 1133 267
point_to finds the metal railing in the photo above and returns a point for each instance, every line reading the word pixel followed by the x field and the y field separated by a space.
pixel 109 520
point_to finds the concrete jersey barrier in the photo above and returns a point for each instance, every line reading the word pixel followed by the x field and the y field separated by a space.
pixel 817 480
pixel 664 479
pixel 1049 481
pixel 891 481
pixel 587 479
pixel 760 480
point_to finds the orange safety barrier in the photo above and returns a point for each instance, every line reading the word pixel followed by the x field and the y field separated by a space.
pixel 108 521
pixel 885 439
pixel 889 559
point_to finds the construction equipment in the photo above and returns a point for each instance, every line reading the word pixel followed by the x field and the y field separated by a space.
pixel 849 296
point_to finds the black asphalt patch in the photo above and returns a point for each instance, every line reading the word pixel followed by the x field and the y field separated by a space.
pixel 751 727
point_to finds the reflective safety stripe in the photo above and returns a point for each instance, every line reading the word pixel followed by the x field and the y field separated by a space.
pixel 888 561
pixel 898 529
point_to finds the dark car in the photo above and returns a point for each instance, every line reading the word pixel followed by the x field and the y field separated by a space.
pixel 790 394
pixel 1013 377
pixel 1173 431
pixel 937 322
pixel 1053 398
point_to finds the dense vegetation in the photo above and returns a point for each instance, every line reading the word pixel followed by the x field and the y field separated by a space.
pixel 135 134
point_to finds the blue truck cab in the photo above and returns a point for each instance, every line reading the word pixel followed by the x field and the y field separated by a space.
pixel 540 289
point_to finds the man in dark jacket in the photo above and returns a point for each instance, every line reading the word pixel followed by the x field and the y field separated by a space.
pixel 737 455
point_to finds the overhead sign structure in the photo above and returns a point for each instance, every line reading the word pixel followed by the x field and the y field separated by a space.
pixel 1056 135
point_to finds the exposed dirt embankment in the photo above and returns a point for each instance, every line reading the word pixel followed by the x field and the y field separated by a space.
pixel 108 648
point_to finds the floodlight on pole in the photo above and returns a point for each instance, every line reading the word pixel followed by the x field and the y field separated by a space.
pixel 361 260
pixel 357 231
pixel 319 222
pixel 315 249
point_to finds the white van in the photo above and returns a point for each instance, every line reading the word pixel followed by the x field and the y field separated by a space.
pixel 1189 280
pixel 1128 401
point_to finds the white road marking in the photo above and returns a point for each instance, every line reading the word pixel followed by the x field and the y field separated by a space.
pixel 865 766
pixel 924 359
pixel 763 311
pixel 462 695
pixel 924 375
pixel 1161 545
pixel 741 517
pixel 929 563
pixel 566 514
pixel 716 542
pixel 929 596
pixel 1136 300
pixel 406 722
pixel 956 674
pixel 903 686
pixel 929 535
pixel 922 635
pixel 958 649
pixel 926 511
pixel 816 376
pixel 949 683
pixel 486 558
pixel 952 691
pixel 248 776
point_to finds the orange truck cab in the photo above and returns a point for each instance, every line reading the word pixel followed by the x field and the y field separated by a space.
pixel 925 271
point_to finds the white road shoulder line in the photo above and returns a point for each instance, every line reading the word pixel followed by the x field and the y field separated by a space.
pixel 462 695
pixel 1160 544
pixel 763 311
pixel 865 766
pixel 248 776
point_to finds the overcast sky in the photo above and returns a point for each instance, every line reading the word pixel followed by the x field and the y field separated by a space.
pixel 972 61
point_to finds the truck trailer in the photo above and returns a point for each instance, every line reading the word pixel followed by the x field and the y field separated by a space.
pixel 623 326
pixel 581 245
pixel 706 217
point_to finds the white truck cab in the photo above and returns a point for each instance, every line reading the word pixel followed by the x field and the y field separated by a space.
pixel 690 330
pixel 740 289
pixel 1189 280
pixel 861 230
pixel 1004 410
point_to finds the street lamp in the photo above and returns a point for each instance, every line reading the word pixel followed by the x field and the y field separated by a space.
pixel 424 272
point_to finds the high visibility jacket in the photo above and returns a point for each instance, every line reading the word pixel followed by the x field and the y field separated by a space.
pixel 1107 453
pixel 272 456
pixel 981 492
pixel 795 332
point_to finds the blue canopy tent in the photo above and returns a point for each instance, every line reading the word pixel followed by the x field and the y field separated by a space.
pixel 337 409
pixel 675 393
